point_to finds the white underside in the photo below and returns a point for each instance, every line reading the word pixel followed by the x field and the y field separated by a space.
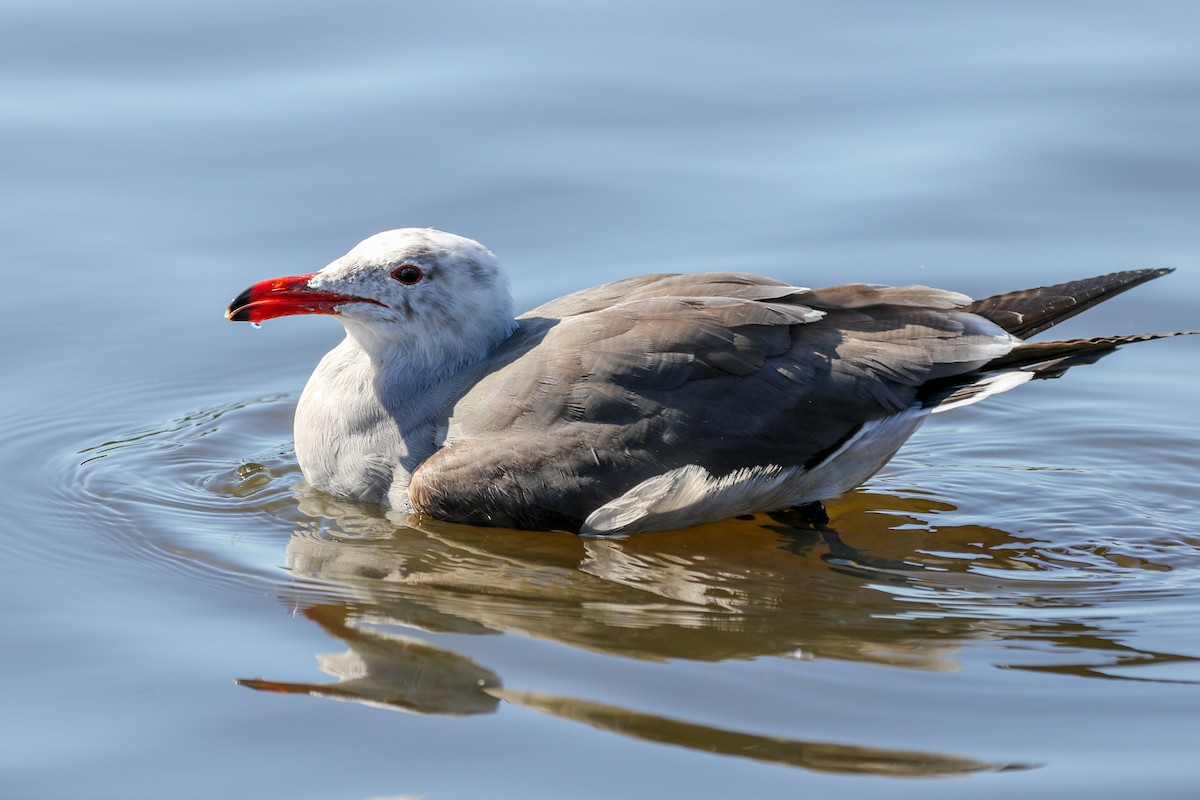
pixel 691 495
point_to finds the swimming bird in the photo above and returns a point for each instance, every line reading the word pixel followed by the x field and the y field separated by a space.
pixel 652 403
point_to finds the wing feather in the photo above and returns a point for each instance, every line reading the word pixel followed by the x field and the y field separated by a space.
pixel 604 389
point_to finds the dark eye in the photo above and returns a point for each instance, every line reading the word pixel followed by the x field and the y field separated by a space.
pixel 408 274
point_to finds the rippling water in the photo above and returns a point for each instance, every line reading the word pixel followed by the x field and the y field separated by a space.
pixel 1012 603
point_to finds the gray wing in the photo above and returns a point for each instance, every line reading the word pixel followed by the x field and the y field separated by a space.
pixel 740 285
pixel 604 389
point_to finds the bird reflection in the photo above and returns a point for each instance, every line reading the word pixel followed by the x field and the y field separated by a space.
pixel 393 671
pixel 745 588
pixel 711 593
pixel 397 672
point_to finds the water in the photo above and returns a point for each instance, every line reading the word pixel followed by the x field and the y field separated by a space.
pixel 1010 606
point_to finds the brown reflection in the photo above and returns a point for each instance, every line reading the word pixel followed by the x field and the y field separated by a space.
pixel 398 672
pixel 879 585
pixel 391 671
pixel 819 756
pixel 740 589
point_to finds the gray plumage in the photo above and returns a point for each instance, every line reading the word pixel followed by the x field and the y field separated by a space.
pixel 649 403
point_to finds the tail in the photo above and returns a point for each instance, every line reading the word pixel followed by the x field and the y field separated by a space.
pixel 1032 311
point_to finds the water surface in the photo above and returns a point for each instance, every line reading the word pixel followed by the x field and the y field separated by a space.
pixel 1011 607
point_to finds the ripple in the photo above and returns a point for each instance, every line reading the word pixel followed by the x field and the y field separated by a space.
pixel 928 558
pixel 207 493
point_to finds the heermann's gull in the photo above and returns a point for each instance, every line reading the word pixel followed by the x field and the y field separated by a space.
pixel 651 403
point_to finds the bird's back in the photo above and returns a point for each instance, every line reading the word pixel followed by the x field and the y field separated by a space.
pixel 604 390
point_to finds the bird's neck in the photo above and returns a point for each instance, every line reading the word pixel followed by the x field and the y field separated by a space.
pixel 374 410
pixel 407 367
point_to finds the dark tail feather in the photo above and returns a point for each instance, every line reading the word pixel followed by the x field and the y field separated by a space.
pixel 1051 359
pixel 1032 311
pixel 1037 359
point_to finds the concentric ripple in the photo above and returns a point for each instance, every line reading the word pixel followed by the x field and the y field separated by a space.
pixel 208 492
pixel 1080 571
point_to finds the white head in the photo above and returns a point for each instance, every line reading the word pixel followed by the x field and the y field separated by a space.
pixel 416 297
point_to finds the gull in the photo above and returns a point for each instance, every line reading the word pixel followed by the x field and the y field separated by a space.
pixel 652 403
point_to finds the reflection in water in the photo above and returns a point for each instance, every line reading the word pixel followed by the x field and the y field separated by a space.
pixel 821 756
pixel 397 672
pixel 391 671
pixel 883 588
pixel 737 589
pixel 900 580
pixel 740 589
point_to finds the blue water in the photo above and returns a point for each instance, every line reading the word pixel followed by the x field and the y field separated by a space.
pixel 1011 605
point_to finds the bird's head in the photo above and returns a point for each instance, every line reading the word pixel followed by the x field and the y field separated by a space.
pixel 419 294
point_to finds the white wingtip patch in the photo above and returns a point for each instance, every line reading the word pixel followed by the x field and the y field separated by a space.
pixel 983 388
pixel 686 496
